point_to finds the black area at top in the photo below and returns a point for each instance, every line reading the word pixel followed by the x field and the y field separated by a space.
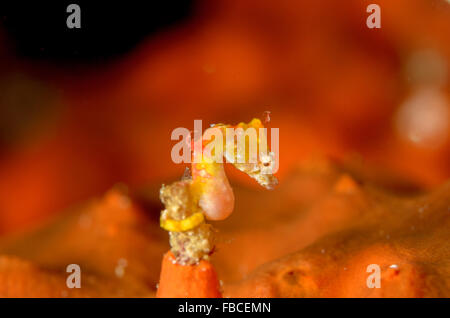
pixel 38 30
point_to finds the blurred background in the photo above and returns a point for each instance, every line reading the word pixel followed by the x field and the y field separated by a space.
pixel 84 109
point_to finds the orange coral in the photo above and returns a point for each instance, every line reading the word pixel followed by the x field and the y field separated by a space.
pixel 313 237
pixel 187 281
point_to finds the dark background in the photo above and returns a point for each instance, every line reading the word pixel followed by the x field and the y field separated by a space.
pixel 84 109
pixel 37 29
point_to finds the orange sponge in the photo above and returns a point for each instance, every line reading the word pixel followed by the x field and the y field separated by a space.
pixel 187 281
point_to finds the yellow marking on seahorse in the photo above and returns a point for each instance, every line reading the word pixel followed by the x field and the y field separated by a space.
pixel 183 225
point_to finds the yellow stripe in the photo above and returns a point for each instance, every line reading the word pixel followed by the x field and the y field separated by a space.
pixel 183 225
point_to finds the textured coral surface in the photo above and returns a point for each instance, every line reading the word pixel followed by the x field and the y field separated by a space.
pixel 314 236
